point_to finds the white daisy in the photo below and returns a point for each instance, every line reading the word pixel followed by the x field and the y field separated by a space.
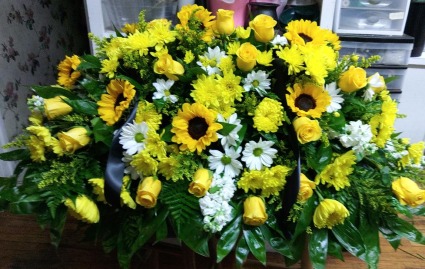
pixel 232 138
pixel 257 81
pixel 258 154
pixel 163 90
pixel 279 40
pixel 337 99
pixel 226 162
pixel 211 60
pixel 132 137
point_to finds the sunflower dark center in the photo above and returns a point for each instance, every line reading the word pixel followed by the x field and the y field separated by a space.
pixel 306 38
pixel 120 98
pixel 305 102
pixel 197 127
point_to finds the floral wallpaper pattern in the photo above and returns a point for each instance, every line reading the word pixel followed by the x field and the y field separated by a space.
pixel 34 36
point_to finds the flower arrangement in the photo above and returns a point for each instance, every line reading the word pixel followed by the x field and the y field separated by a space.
pixel 204 131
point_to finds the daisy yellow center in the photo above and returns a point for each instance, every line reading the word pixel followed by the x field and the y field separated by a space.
pixel 197 127
pixel 255 83
pixel 257 152
pixel 305 102
pixel 139 137
pixel 167 93
pixel 226 160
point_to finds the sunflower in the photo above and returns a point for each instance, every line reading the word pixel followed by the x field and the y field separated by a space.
pixel 195 127
pixel 308 100
pixel 68 74
pixel 305 31
pixel 111 106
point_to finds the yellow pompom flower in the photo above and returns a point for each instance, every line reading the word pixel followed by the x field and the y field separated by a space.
pixel 329 213
pixel 167 167
pixel 129 28
pixel 195 128
pixel 268 115
pixel 242 32
pixel 83 209
pixel 68 73
pixel 41 132
pixel 265 58
pixel 336 173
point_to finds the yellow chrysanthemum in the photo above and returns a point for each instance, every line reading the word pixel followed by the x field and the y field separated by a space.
pixel 231 88
pixel 199 14
pixel 68 73
pixel 318 61
pixel 293 58
pixel 251 180
pixel 416 152
pixel 112 105
pixel 83 209
pixel 129 28
pixel 160 32
pixel 308 100
pixel 336 173
pixel 382 125
pixel 301 32
pixel 268 115
pixel 36 118
pixel 265 58
pixel 125 194
pixel 144 164
pixel 166 168
pixel 114 49
pixel 329 213
pixel 146 112
pixel 233 47
pixel 109 66
pixel 227 65
pixel 37 148
pixel 195 128
pixel 41 132
pixel 56 146
pixel 140 42
pixel 98 185
pixel 155 145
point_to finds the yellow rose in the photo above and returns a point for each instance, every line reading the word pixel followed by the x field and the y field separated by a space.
pixel 148 191
pixel 83 209
pixel 263 26
pixel 225 23
pixel 201 182
pixel 55 107
pixel 165 65
pixel 353 79
pixel 254 211
pixel 307 130
pixel 408 192
pixel 329 213
pixel 306 188
pixel 73 139
pixel 246 57
pixel 376 82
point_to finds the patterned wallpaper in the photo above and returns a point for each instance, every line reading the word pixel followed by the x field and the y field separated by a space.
pixel 34 36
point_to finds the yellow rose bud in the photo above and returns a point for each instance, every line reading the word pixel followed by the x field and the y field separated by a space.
pixel 246 57
pixel 83 209
pixel 55 107
pixel 376 82
pixel 306 188
pixel 307 130
pixel 353 79
pixel 201 182
pixel 254 211
pixel 408 192
pixel 148 191
pixel 263 26
pixel 329 213
pixel 73 139
pixel 225 23
pixel 165 65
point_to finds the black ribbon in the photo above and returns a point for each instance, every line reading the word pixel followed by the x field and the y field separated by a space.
pixel 114 171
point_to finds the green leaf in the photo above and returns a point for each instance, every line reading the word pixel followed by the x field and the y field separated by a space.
pixel 89 62
pixel 52 91
pixel 26 205
pixel 335 249
pixel 242 251
pixel 229 237
pixel 255 241
pixel 336 123
pixel 195 237
pixel 277 242
pixel 136 84
pixel 93 87
pixel 82 106
pixel 306 216
pixel 406 229
pixel 15 155
pixel 57 225
pixel 101 131
pixel 167 134
pixel 320 158
pixel 392 238
pixel 350 238
pixel 227 128
pixel 162 232
pixel 318 248
pixel 370 234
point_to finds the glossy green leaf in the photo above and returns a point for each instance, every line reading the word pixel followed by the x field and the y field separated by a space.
pixel 195 237
pixel 241 252
pixel 161 232
pixel 335 250
pixel 255 241
pixel 370 233
pixel 350 238
pixel 406 229
pixel 57 225
pixel 85 107
pixel 336 123
pixel 101 131
pixel 51 91
pixel 26 205
pixel 136 84
pixel 318 248
pixel 277 241
pixel 306 216
pixel 321 158
pixel 228 238
pixel 227 128
pixel 15 155
pixel 89 62
pixel 93 87
pixel 392 238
